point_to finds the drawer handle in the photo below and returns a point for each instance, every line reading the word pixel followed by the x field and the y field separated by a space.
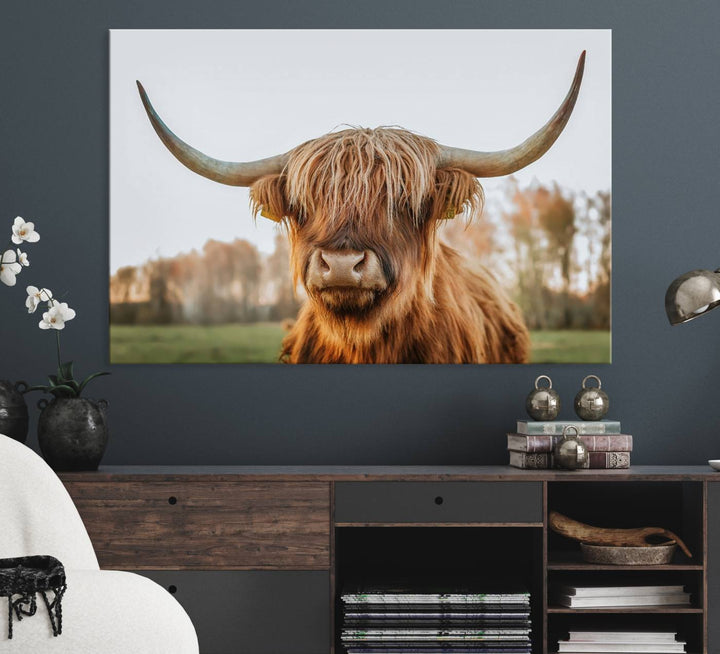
pixel 172 589
pixel 172 500
pixel 439 500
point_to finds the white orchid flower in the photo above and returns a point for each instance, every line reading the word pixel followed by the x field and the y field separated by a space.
pixel 56 316
pixel 23 231
pixel 22 258
pixel 9 267
pixel 36 296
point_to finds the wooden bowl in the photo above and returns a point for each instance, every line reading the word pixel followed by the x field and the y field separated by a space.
pixel 614 555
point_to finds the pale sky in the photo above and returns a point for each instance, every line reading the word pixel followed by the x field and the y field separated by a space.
pixel 247 94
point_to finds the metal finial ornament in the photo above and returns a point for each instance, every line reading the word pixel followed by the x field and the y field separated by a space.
pixel 543 403
pixel 570 452
pixel 591 403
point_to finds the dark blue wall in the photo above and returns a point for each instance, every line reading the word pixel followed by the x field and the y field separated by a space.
pixel 664 383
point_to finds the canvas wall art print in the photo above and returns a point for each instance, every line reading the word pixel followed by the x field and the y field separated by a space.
pixel 360 196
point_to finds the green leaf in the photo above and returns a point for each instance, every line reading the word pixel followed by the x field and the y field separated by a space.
pixel 45 389
pixel 54 381
pixel 65 371
pixel 89 378
pixel 61 390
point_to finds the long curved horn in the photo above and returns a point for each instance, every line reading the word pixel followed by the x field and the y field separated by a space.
pixel 505 162
pixel 226 172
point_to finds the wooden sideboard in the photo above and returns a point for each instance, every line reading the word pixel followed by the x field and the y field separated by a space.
pixel 258 555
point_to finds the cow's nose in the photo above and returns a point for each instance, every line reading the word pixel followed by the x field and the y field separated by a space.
pixel 342 267
pixel 345 268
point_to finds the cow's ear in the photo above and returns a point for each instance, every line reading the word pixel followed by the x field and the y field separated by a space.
pixel 266 214
pixel 456 192
pixel 267 197
pixel 451 212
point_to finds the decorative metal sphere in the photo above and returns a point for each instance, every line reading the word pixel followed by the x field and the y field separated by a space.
pixel 543 403
pixel 570 452
pixel 591 403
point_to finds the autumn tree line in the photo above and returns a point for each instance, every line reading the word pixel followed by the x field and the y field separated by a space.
pixel 550 247
pixel 223 283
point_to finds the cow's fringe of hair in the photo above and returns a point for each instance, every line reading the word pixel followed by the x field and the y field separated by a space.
pixel 338 173
pixel 309 184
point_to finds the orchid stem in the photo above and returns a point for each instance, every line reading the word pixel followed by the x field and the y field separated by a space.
pixel 57 334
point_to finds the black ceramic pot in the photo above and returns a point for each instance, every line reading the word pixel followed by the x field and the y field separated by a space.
pixel 13 410
pixel 73 433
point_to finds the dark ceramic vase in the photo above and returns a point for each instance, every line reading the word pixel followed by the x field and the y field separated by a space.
pixel 73 433
pixel 13 410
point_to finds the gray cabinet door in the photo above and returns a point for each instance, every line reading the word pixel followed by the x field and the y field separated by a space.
pixel 440 501
pixel 713 571
pixel 254 612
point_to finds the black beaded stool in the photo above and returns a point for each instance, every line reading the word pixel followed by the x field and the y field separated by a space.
pixel 22 578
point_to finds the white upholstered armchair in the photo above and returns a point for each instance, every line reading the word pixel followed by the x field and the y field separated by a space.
pixel 104 612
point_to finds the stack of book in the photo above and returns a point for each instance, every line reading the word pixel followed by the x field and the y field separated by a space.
pixel 531 446
pixel 385 621
pixel 647 642
pixel 584 597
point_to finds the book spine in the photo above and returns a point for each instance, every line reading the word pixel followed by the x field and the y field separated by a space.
pixel 593 442
pixel 596 460
pixel 608 460
pixel 603 461
pixel 530 461
pixel 555 428
pixel 531 443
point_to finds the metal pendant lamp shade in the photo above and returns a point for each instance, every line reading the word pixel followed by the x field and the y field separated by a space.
pixel 691 295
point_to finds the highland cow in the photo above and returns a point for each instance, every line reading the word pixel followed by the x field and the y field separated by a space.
pixel 362 208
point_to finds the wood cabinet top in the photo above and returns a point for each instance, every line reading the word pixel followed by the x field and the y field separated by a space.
pixel 388 473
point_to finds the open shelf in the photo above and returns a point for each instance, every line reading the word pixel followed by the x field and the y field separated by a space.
pixel 489 559
pixel 679 507
pixel 687 624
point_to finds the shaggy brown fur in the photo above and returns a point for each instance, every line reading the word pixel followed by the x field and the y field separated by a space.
pixel 379 190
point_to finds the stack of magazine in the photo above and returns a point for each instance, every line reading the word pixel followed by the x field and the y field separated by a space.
pixel 584 597
pixel 404 621
pixel 626 642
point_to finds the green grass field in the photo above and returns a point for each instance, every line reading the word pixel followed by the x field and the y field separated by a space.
pixel 255 343
pixel 570 346
pixel 260 343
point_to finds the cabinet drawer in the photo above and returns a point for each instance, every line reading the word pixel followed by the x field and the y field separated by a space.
pixel 453 502
pixel 171 525
pixel 254 611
